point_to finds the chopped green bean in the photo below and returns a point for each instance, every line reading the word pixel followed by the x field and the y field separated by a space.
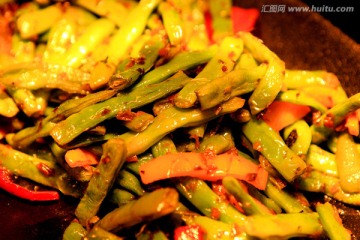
pixel 284 225
pixel 38 170
pixel 100 184
pixel 269 143
pixel 74 231
pixel 150 206
pixel 330 219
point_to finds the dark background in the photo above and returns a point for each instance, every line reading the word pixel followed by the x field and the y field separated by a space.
pixel 348 22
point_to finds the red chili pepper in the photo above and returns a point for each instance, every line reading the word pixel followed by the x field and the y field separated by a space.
pixel 208 25
pixel 8 185
pixel 191 232
pixel 244 19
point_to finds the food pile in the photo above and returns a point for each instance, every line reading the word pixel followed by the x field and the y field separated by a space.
pixel 170 120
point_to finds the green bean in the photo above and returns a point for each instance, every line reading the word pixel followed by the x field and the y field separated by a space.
pixel 186 98
pixel 285 199
pixel 170 120
pixel 23 50
pixel 339 111
pixel 316 181
pixel 115 11
pixel 120 196
pixel 322 160
pixel 229 51
pixel 163 147
pixel 286 226
pixel 193 18
pixel 268 202
pixel 28 135
pixel 113 158
pixel 347 160
pixel 248 145
pixel 330 220
pixel 35 22
pixel 74 231
pixel 270 144
pixel 241 116
pixel 162 104
pixel 75 105
pixel 331 143
pixel 154 22
pixel 39 51
pixel 152 235
pixel 208 202
pixel 220 64
pixel 28 102
pixel 6 60
pixel 215 229
pixel 8 107
pixel 234 83
pixel 97 233
pixel 27 8
pixel 130 182
pixel 196 132
pixel 95 33
pixel 173 23
pixel 33 76
pixel 140 65
pixel 246 61
pixel 271 84
pixel 295 79
pixel 140 122
pixel 182 61
pixel 150 206
pixel 239 190
pixel 134 166
pixel 216 143
pixel 330 96
pixel 75 124
pixel 324 126
pixel 38 170
pixel 221 18
pixel 135 24
pixel 61 35
pixel 81 16
pixel 300 97
pixel 298 137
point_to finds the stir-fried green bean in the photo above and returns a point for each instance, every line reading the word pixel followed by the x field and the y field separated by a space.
pixel 38 170
pixel 329 217
pixel 90 116
pixel 100 184
pixel 281 157
pixel 150 206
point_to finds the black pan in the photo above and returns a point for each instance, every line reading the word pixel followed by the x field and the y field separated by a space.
pixel 302 40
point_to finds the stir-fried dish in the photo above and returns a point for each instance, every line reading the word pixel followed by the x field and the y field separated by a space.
pixel 170 120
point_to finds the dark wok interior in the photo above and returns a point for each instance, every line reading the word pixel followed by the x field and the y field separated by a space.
pixel 302 40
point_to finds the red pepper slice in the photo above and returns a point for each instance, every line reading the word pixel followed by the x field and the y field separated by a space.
pixel 244 19
pixel 280 114
pixel 189 232
pixel 8 185
pixel 208 25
